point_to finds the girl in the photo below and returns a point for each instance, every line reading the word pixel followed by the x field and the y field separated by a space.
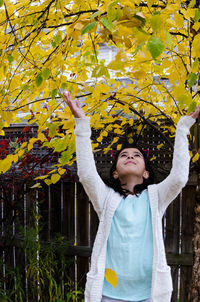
pixel 130 209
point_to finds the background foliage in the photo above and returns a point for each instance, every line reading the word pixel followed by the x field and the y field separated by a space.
pixel 49 46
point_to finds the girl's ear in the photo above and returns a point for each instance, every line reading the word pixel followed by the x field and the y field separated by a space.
pixel 146 174
pixel 115 174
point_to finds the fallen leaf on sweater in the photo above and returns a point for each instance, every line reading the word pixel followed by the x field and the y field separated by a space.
pixel 111 277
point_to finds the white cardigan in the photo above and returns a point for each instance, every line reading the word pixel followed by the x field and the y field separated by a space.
pixel 105 201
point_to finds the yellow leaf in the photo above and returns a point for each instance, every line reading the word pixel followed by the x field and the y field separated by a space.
pixel 37 185
pixel 189 13
pixel 55 178
pixel 150 3
pixel 6 163
pixel 41 177
pixel 61 171
pixel 48 182
pixel 79 26
pixel 135 22
pixel 196 157
pixel 151 159
pixel 119 147
pixel 115 140
pixel 15 158
pixel 196 26
pixel 99 139
pixel 179 20
pixel 111 277
pixel 24 145
pixel 196 46
pixel 116 65
pixel 31 142
pixel 41 137
pixel 128 42
pixel 191 153
pixel 156 22
pixel 160 146
pixel 140 74
pixel 20 153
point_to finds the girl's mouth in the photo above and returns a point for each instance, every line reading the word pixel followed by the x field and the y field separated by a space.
pixel 130 162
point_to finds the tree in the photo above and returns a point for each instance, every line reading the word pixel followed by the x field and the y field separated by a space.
pixel 49 46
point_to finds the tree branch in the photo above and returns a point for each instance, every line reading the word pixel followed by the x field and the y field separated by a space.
pixel 147 121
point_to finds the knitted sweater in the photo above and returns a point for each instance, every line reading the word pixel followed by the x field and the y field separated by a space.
pixel 105 201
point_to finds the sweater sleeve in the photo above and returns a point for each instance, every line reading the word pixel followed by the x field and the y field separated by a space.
pixel 169 188
pixel 95 188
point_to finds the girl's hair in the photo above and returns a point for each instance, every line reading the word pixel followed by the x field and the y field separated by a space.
pixel 115 183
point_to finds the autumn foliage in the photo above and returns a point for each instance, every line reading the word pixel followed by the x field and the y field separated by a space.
pixel 49 46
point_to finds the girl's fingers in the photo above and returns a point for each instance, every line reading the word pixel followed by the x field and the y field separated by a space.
pixel 78 104
pixel 195 114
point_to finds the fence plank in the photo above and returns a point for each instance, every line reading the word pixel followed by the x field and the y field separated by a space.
pixel 68 211
pixel 187 230
pixel 55 195
pixel 172 240
pixel 82 216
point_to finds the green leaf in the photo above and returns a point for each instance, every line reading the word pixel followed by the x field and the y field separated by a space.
pixel 57 39
pixel 156 22
pixel 112 12
pixel 192 78
pixel 197 15
pixel 192 107
pixel 60 145
pixel 96 14
pixel 155 46
pixel 64 86
pixel 138 48
pixel 25 87
pixel 1 2
pixel 53 127
pixel 195 64
pixel 192 3
pixel 54 93
pixel 88 27
pixel 65 157
pixel 100 71
pixel 46 73
pixel 108 24
pixel 39 80
pixel 10 59
pixel 184 100
pixel 169 39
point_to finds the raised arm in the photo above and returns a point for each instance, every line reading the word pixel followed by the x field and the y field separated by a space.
pixel 95 188
pixel 169 188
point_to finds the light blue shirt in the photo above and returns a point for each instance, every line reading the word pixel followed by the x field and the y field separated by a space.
pixel 130 249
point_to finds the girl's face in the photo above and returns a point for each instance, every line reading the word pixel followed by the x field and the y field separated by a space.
pixel 130 162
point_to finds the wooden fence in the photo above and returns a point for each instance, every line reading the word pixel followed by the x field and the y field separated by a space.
pixel 66 209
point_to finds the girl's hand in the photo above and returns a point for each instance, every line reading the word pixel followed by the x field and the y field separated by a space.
pixel 75 107
pixel 195 114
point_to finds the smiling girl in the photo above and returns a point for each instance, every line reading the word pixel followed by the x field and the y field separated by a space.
pixel 130 208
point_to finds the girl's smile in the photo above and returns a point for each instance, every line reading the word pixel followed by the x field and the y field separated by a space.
pixel 130 162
